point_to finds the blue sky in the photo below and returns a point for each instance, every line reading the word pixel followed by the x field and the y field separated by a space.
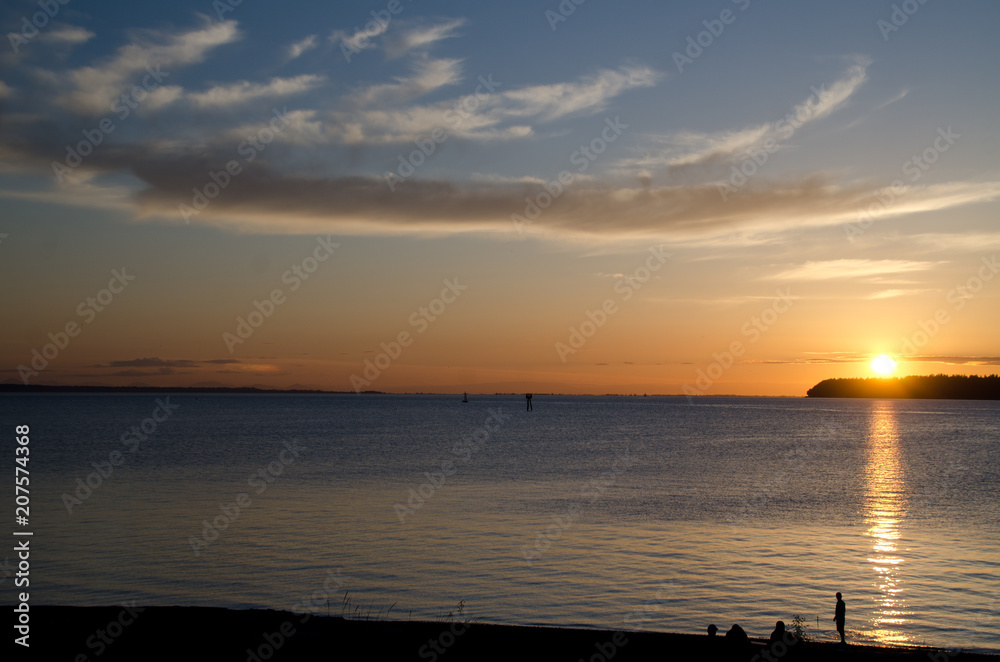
pixel 825 108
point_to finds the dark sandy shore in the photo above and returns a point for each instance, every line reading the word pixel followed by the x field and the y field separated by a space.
pixel 80 634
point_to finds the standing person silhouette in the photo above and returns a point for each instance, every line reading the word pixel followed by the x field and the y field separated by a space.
pixel 527 396
pixel 839 615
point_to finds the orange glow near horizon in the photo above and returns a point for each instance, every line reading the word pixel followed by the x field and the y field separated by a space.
pixel 883 365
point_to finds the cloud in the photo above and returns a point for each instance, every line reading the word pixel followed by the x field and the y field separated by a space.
pixel 948 241
pixel 890 294
pixel 5 90
pixel 300 47
pixel 496 115
pixel 589 95
pixel 93 88
pixel 155 362
pixel 956 360
pixel 361 39
pixel 851 268
pixel 898 97
pixel 162 96
pixel 420 37
pixel 260 368
pixel 428 75
pixel 829 99
pixel 833 358
pixel 68 34
pixel 137 373
pixel 152 362
pixel 263 199
pixel 378 114
pixel 154 165
pixel 242 91
pixel 685 152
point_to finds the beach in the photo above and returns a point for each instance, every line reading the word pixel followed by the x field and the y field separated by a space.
pixel 198 633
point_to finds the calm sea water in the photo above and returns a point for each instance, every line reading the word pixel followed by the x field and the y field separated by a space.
pixel 611 512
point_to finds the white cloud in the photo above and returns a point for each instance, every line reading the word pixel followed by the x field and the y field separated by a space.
pixel 94 87
pixel 891 101
pixel 831 98
pixel 687 148
pixel 890 294
pixel 429 75
pixel 851 268
pixel 360 40
pixel 972 241
pixel 236 93
pixel 590 95
pixel 162 96
pixel 69 34
pixel 300 47
pixel 420 37
pixel 496 115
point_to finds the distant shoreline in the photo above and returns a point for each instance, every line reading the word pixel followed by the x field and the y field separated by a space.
pixel 934 387
pixel 50 388
pixel 929 387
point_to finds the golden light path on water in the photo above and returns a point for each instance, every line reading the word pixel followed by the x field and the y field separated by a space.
pixel 884 510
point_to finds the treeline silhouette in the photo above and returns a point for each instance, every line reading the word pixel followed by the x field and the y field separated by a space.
pixel 945 387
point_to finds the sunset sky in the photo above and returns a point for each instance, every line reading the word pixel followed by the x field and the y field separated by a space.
pixel 729 197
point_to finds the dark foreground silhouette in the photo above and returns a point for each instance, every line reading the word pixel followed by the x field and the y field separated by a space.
pixel 198 633
pixel 943 387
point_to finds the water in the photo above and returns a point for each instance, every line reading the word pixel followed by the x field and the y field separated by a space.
pixel 609 512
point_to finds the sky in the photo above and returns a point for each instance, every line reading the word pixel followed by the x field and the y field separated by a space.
pixel 729 197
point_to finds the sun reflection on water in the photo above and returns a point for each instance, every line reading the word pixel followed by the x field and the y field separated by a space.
pixel 885 504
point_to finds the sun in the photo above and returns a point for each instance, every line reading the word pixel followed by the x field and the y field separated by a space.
pixel 883 365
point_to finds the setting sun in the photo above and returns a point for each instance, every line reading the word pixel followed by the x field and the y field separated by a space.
pixel 883 365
